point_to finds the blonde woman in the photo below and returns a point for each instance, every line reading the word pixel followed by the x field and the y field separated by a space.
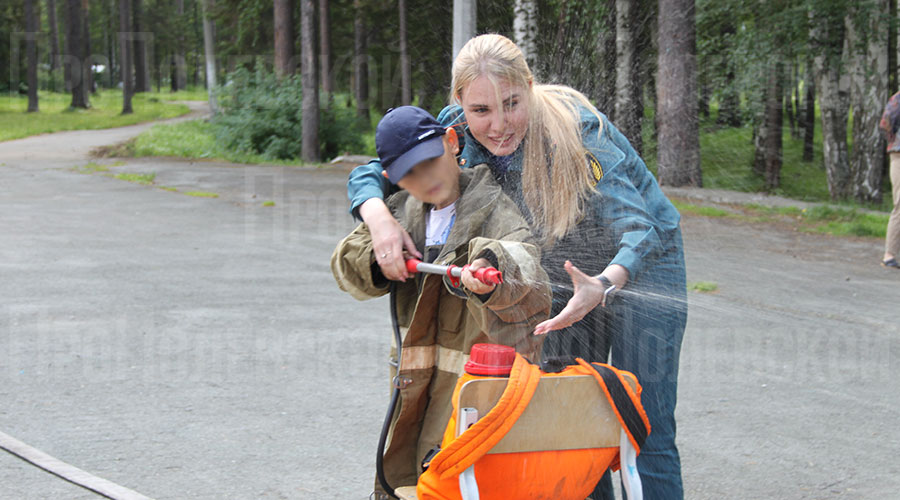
pixel 591 200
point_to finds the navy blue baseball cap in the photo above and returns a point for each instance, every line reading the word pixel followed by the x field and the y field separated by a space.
pixel 405 137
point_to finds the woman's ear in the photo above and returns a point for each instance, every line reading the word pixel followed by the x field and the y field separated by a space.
pixel 453 140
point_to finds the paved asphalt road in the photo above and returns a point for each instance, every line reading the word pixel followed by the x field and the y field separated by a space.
pixel 198 348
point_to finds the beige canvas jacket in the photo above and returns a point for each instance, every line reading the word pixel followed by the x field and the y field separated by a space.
pixel 440 323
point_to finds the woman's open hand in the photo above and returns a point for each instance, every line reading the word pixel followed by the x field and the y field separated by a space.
pixel 389 239
pixel 588 294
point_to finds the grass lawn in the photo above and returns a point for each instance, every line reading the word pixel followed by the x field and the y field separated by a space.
pixel 190 139
pixel 105 112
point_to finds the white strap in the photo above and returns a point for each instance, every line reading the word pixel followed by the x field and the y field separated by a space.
pixel 628 468
pixel 468 487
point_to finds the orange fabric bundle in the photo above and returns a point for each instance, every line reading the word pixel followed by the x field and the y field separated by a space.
pixel 555 474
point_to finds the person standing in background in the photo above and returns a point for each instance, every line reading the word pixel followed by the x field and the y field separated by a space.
pixel 890 123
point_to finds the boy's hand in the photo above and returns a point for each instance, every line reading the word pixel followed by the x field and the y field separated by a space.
pixel 389 239
pixel 473 284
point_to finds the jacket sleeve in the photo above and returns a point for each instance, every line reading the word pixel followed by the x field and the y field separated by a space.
pixel 365 182
pixel 629 201
pixel 354 267
pixel 509 314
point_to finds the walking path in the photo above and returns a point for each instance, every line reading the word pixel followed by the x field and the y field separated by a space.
pixel 197 348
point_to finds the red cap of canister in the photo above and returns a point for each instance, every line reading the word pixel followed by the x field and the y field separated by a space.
pixel 490 359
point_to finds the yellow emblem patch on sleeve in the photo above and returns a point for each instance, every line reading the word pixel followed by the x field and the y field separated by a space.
pixel 596 168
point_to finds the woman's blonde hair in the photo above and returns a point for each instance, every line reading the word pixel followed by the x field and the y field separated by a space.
pixel 556 179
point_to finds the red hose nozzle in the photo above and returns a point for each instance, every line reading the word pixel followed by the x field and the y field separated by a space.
pixel 486 275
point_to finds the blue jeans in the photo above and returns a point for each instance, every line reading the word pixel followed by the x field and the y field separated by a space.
pixel 646 328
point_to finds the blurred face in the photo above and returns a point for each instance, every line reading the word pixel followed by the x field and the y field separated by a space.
pixel 435 181
pixel 498 126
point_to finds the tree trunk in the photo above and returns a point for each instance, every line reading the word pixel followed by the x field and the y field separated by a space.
pixel 125 48
pixel 209 49
pixel 867 33
pixel 360 65
pixel 88 57
pixel 605 90
pixel 525 29
pixel 54 38
pixel 284 38
pixel 77 60
pixel 768 142
pixel 798 120
pixel 325 48
pixel 310 82
pixel 179 82
pixel 141 75
pixel 678 149
pixel 112 23
pixel 788 87
pixel 405 77
pixel 31 29
pixel 828 45
pixel 629 102
pixel 809 125
pixel 464 22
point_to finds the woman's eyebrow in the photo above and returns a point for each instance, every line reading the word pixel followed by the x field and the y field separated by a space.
pixel 505 102
pixel 510 99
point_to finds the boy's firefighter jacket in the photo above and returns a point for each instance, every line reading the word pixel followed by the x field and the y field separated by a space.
pixel 440 323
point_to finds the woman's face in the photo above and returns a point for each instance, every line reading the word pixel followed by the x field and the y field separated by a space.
pixel 499 130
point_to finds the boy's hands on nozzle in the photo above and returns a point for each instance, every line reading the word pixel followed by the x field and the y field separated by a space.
pixel 471 282
pixel 389 239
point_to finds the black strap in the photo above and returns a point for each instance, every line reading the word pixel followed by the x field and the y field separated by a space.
pixel 629 413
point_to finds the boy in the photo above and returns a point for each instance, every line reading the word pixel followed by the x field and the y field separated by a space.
pixel 459 216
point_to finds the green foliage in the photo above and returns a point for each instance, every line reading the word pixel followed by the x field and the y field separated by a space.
pixel 91 168
pixel 826 219
pixel 703 286
pixel 201 194
pixel 55 115
pixel 339 129
pixel 145 179
pixel 844 221
pixel 190 139
pixel 262 115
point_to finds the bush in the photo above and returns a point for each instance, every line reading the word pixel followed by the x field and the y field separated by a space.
pixel 263 115
pixel 339 128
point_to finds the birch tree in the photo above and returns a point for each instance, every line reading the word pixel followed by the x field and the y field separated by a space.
pixel 833 89
pixel 209 44
pixel 867 32
pixel 525 29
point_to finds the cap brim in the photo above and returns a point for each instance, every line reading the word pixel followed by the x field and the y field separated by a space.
pixel 426 150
